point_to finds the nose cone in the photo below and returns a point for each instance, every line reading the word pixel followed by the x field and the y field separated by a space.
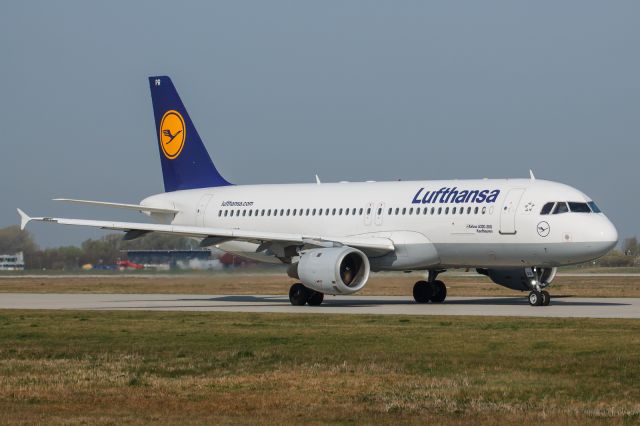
pixel 608 235
pixel 603 236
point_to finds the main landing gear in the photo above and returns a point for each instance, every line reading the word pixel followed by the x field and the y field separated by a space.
pixel 299 295
pixel 431 290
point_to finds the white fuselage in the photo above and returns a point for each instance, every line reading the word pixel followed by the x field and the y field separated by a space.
pixel 433 224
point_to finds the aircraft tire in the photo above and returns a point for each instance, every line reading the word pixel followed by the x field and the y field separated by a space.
pixel 298 295
pixel 546 298
pixel 535 298
pixel 422 292
pixel 316 298
pixel 439 292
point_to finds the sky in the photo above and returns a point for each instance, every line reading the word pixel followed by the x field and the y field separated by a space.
pixel 350 90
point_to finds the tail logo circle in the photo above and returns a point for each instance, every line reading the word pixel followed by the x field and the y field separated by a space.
pixel 172 134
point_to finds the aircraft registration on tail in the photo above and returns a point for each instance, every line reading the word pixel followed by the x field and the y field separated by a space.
pixel 332 235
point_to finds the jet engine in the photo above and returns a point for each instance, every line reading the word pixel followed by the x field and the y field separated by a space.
pixel 520 278
pixel 333 270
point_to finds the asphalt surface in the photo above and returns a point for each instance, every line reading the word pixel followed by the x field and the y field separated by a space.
pixel 568 307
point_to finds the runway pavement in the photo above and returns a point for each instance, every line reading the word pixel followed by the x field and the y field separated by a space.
pixel 385 305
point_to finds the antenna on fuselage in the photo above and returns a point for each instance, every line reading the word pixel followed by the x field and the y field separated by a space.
pixel 318 180
pixel 531 175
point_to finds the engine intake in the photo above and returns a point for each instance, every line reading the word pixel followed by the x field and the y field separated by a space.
pixel 334 270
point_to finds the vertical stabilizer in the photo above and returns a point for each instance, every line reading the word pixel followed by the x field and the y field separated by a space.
pixel 185 161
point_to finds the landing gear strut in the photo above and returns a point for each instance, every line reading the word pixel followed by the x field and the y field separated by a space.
pixel 433 290
pixel 299 295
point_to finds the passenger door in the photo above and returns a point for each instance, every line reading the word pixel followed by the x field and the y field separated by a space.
pixel 202 209
pixel 508 211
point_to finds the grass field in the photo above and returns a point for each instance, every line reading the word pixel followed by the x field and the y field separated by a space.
pixel 141 367
pixel 242 283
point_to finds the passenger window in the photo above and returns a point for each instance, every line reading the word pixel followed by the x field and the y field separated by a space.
pixel 281 212
pixel 390 210
pixel 262 212
pixel 446 211
pixel 579 207
pixel 326 212
pixel 594 207
pixel 561 207
pixel 369 210
pixel 231 213
pixel 361 210
pixel 404 211
pixel 353 212
pixel 225 213
pixel 288 211
pixel 379 211
pixel 313 212
pixel 346 212
pixel 340 212
pixel 439 210
pixel 295 211
pixel 219 213
pixel 397 210
pixel 484 210
pixel 453 211
pixel 546 209
pixel 250 211
pixel 468 210
pixel 433 209
pixel 475 211
pixel 426 210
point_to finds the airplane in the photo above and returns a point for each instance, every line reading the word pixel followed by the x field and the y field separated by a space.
pixel 333 235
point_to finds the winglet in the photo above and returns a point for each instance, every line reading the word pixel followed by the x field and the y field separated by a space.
pixel 24 219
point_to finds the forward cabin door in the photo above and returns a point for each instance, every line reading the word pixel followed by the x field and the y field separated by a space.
pixel 508 211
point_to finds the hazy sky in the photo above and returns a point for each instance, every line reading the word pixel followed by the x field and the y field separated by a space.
pixel 351 90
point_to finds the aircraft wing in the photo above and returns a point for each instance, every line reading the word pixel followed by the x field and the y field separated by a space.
pixel 371 245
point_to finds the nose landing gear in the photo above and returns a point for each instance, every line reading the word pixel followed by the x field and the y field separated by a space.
pixel 538 296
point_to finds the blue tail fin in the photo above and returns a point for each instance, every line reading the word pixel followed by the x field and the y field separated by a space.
pixel 185 161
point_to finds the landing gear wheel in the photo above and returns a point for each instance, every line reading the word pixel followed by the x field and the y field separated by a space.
pixel 439 292
pixel 422 291
pixel 316 298
pixel 298 295
pixel 546 298
pixel 535 298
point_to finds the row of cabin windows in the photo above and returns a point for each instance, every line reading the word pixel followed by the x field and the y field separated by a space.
pixel 354 212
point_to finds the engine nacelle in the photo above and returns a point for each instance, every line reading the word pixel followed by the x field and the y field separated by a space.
pixel 334 270
pixel 520 278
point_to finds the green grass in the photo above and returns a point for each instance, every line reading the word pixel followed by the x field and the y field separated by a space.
pixel 139 367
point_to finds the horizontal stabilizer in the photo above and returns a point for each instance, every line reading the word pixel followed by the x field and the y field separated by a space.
pixel 136 207
pixel 24 219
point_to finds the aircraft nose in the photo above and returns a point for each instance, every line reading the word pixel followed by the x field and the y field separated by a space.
pixel 609 234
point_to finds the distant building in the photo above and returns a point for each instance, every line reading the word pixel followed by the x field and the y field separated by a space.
pixel 173 259
pixel 12 262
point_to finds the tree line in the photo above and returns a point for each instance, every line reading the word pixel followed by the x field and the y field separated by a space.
pixel 106 250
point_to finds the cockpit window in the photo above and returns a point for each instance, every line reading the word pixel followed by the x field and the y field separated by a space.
pixel 561 207
pixel 579 207
pixel 594 207
pixel 546 209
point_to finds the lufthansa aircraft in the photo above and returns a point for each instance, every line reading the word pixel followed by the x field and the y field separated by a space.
pixel 332 235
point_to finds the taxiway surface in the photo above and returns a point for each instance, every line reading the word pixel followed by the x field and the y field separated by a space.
pixel 569 307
